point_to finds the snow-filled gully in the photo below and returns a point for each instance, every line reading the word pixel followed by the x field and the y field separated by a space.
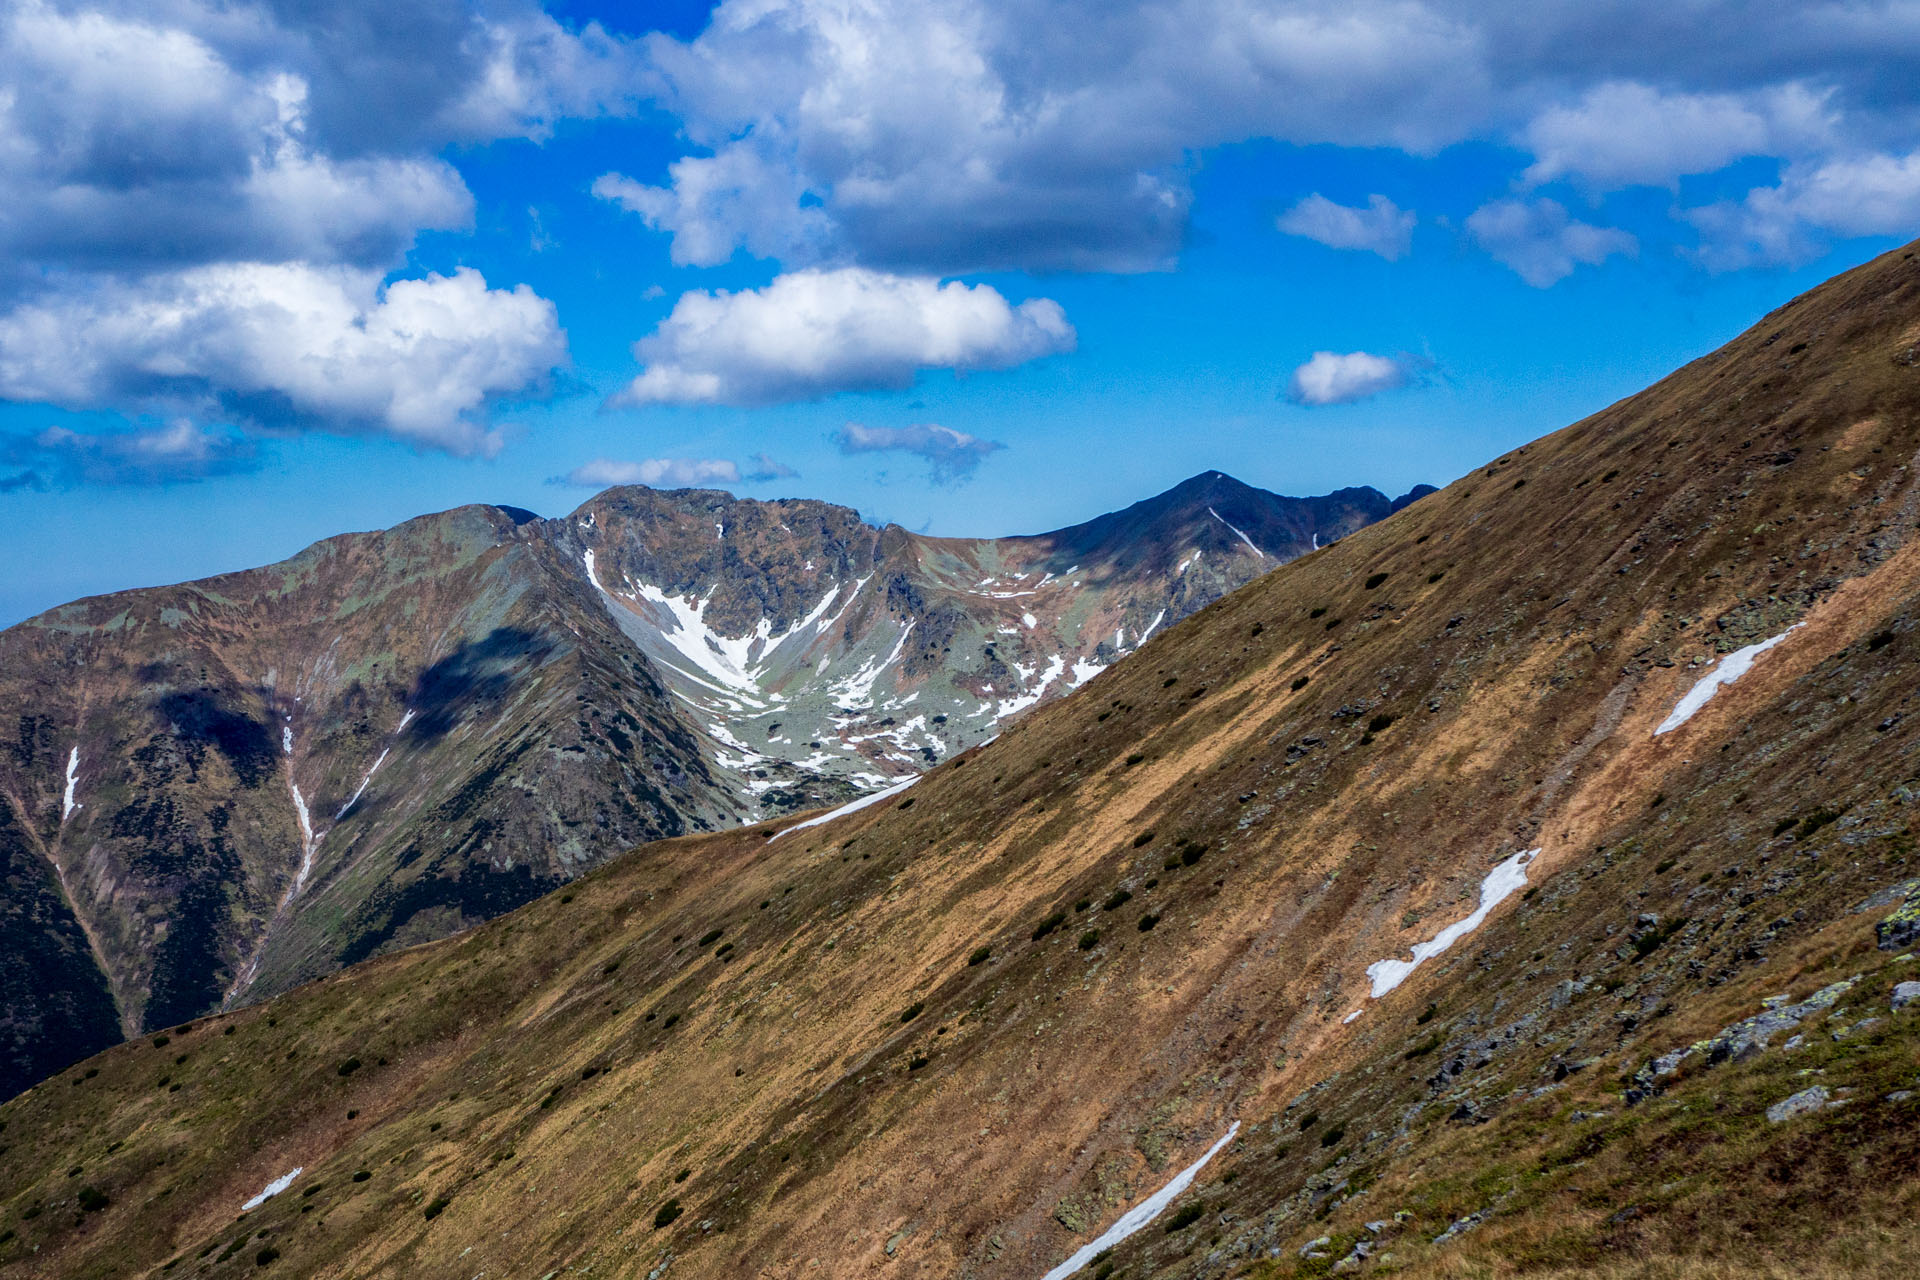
pixel 852 806
pixel 67 803
pixel 1499 885
pixel 1141 1214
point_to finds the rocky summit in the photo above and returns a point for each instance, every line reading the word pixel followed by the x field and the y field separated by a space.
pixel 215 791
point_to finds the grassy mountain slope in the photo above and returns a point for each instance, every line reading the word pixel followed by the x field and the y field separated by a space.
pixel 956 1033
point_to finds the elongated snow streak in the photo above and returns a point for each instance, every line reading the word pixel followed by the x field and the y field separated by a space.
pixel 286 739
pixel 308 842
pixel 852 806
pixel 355 799
pixel 1158 618
pixel 1500 882
pixel 274 1188
pixel 1141 1214
pixel 1316 542
pixel 1731 668
pixel 1243 537
pixel 67 803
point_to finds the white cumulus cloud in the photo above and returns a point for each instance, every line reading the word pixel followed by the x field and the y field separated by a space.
pixel 812 333
pixel 1541 243
pixel 1623 134
pixel 1792 221
pixel 1331 377
pixel 289 346
pixel 1382 227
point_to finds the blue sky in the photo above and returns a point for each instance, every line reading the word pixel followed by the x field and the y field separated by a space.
pixel 278 271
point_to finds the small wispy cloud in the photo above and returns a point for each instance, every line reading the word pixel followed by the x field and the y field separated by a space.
pixel 655 473
pixel 177 453
pixel 1383 227
pixel 1332 377
pixel 952 456
pixel 761 468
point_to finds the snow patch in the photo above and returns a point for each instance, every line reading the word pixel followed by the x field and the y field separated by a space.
pixel 853 806
pixel 355 798
pixel 1510 875
pixel 308 841
pixel 67 803
pixel 1029 620
pixel 286 739
pixel 1158 618
pixel 1084 671
pixel 273 1189
pixel 1730 668
pixel 1141 1214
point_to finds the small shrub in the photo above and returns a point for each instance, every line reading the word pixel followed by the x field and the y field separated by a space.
pixel 1185 1217
pixel 682 1176
pixel 1880 641
pixel 1082 904
pixel 1147 922
pixel 348 1067
pixel 1320 612
pixel 162 1041
pixel 1191 854
pixel 1257 628
pixel 361 1176
pixel 710 937
pixel 1299 683
pixel 1048 925
pixel 1135 758
pixel 1435 576
pixel 1090 939
pixel 1375 580
pixel 93 1200
pixel 1332 623
pixel 1379 723
pixel 1172 862
pixel 666 1213
pixel 1142 840
pixel 980 956
pixel 1424 1048
pixel 916 1062
pixel 1610 475
pixel 724 951
pixel 266 1257
pixel 912 1011
pixel 1309 1120
pixel 670 1020
pixel 436 1207
pixel 1814 821
pixel 1332 1136
pixel 1784 825
pixel 1118 899
pixel 1666 865
pixel 1169 682
pixel 1427 1014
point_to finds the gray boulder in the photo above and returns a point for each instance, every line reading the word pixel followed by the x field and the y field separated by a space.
pixel 1803 1103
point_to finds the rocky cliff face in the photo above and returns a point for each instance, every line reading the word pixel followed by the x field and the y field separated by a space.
pixel 217 790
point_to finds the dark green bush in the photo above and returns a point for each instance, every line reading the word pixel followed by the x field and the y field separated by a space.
pixel 1814 821
pixel 1184 1217
pixel 436 1207
pixel 1378 723
pixel 1048 925
pixel 93 1200
pixel 348 1067
pixel 1426 1014
pixel 1299 683
pixel 1375 580
pixel 1142 840
pixel 1082 904
pixel 361 1176
pixel 1320 612
pixel 1880 641
pixel 709 937
pixel 1309 1120
pixel 1332 1136
pixel 266 1256
pixel 916 1062
pixel 912 1011
pixel 1090 939
pixel 1192 853
pixel 980 956
pixel 1435 576
pixel 1424 1048
pixel 683 1175
pixel 1135 758
pixel 162 1041
pixel 1147 922
pixel 1118 899
pixel 665 1214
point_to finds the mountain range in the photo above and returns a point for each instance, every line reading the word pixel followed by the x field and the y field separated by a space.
pixel 217 790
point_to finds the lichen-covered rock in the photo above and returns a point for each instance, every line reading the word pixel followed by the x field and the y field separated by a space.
pixel 1906 995
pixel 1805 1102
pixel 1739 1042
pixel 1901 929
